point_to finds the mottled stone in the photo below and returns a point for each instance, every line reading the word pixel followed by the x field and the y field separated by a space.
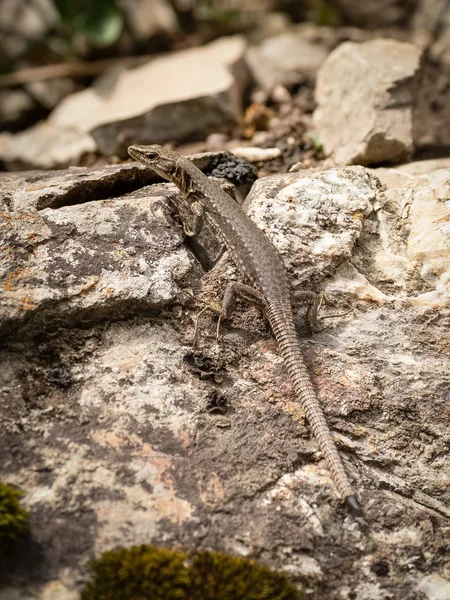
pixel 365 106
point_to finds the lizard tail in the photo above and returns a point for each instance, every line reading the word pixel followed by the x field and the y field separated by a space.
pixel 284 330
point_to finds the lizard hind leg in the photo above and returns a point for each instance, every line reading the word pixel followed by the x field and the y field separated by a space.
pixel 315 302
pixel 233 292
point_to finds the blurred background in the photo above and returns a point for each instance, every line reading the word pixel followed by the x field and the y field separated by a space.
pixel 53 50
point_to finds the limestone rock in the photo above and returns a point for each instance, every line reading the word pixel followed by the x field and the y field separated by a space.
pixel 46 146
pixel 313 217
pixel 96 258
pixel 365 95
pixel 372 14
pixel 106 424
pixel 432 114
pixel 169 98
pixel 285 59
pixel 415 231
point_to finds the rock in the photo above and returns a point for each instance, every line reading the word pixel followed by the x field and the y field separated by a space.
pixel 148 19
pixel 284 59
pixel 415 253
pixel 169 98
pixel 364 113
pixel 373 14
pixel 312 213
pixel 435 587
pixel 15 107
pixel 256 155
pixel 432 113
pixel 105 424
pixel 46 146
pixel 315 218
pixel 91 260
pixel 73 251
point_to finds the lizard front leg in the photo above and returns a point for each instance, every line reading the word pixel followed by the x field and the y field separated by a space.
pixel 194 219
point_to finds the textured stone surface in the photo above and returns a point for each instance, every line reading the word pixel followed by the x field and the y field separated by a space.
pixel 169 98
pixel 285 59
pixel 111 427
pixel 365 95
pixel 84 262
pixel 371 14
pixel 414 222
pixel 317 213
pixel 46 146
pixel 432 30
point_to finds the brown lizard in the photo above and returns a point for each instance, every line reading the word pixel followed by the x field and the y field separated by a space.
pixel 263 268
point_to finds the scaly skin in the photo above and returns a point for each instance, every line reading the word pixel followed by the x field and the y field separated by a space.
pixel 262 267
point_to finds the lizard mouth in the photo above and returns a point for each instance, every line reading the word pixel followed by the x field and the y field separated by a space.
pixel 136 152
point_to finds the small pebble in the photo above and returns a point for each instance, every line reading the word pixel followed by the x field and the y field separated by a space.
pixel 216 140
pixel 253 154
pixel 298 166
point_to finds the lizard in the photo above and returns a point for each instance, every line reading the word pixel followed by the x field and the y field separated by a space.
pixel 267 285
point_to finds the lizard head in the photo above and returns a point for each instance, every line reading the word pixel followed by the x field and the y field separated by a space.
pixel 159 159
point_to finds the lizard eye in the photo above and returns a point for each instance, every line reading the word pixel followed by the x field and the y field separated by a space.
pixel 151 155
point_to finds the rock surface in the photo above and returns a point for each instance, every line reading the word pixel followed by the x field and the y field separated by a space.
pixel 146 19
pixel 365 95
pixel 432 30
pixel 111 428
pixel 46 146
pixel 285 59
pixel 375 13
pixel 168 98
pixel 71 250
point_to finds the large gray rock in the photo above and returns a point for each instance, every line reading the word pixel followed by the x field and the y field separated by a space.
pixel 285 59
pixel 109 427
pixel 46 146
pixel 74 251
pixel 365 95
pixel 432 115
pixel 316 219
pixel 169 98
pixel 372 14
pixel 98 259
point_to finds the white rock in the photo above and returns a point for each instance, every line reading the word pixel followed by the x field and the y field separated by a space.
pixel 255 155
pixel 313 217
pixel 168 98
pixel 46 146
pixel 285 59
pixel 365 95
pixel 416 198
pixel 434 587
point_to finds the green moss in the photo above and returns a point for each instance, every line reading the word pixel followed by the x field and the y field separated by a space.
pixel 139 573
pixel 149 573
pixel 13 518
pixel 217 576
